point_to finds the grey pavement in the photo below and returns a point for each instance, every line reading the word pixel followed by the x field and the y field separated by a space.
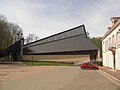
pixel 113 73
pixel 62 78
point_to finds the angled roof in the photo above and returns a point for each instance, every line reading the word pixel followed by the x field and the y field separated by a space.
pixel 14 48
pixel 76 43
pixel 79 30
pixel 111 29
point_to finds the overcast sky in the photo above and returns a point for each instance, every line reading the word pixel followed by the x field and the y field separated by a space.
pixel 47 17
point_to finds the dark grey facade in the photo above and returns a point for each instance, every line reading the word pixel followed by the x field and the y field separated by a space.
pixel 15 51
pixel 76 43
pixel 69 46
pixel 69 42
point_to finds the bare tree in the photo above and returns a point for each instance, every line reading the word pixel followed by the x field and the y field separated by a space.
pixel 16 32
pixel 30 38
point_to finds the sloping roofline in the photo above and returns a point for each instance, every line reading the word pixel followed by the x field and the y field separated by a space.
pixel 111 29
pixel 59 33
pixel 76 43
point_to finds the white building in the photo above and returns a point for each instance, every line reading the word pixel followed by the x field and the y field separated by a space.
pixel 111 45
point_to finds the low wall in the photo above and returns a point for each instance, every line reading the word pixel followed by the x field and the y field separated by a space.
pixel 59 58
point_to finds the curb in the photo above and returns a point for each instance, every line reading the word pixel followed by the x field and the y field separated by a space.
pixel 110 77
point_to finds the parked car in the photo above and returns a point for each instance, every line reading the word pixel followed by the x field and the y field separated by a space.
pixel 88 66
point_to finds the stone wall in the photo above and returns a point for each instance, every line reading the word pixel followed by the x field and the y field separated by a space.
pixel 57 58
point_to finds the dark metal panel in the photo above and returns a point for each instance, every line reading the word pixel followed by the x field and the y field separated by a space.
pixel 76 43
pixel 15 50
pixel 80 30
pixel 74 39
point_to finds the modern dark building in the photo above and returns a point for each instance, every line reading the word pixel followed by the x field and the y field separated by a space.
pixel 72 45
pixel 15 51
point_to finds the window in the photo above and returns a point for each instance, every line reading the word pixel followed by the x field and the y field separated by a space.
pixel 113 40
pixel 105 45
pixel 118 37
pixel 109 42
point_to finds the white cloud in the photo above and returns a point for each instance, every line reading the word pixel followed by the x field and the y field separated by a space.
pixel 97 18
pixel 45 18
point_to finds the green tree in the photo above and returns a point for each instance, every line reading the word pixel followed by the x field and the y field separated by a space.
pixel 97 41
pixel 3 32
pixel 9 33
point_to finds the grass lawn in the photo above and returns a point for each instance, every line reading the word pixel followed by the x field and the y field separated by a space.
pixel 46 64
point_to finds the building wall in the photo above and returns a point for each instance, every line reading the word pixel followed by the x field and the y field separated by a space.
pixel 68 46
pixel 57 58
pixel 112 40
pixel 118 58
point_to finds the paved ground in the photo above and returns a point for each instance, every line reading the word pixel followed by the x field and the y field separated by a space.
pixel 114 73
pixel 52 78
